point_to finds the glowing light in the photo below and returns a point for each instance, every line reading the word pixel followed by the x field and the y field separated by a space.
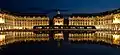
pixel 58 23
pixel 2 37
pixel 116 20
pixel 98 27
pixel 60 34
pixel 116 37
pixel 2 21
pixel 18 27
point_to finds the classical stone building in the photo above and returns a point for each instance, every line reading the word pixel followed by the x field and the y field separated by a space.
pixel 58 20
pixel 106 20
pixel 22 21
pixel 110 21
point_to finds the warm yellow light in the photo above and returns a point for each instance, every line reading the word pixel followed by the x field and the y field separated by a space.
pixel 58 23
pixel 2 20
pixel 18 27
pixel 98 27
pixel 60 34
pixel 116 37
pixel 2 37
pixel 116 20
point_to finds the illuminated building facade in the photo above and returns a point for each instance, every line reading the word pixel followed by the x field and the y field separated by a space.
pixel 100 22
pixel 58 20
pixel 81 21
pixel 28 22
pixel 22 21
pixel 106 20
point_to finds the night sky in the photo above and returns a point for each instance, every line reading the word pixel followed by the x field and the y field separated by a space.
pixel 75 6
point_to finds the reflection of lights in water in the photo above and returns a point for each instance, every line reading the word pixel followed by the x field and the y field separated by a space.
pixel 59 44
pixel 116 37
pixel 2 37
pixel 58 36
pixel 18 27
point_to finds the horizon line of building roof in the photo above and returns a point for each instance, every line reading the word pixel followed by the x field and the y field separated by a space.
pixel 115 11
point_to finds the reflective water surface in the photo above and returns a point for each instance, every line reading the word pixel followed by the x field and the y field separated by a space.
pixel 60 43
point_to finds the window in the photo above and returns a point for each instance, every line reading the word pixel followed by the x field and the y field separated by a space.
pixel 89 27
pixel 56 27
pixel 40 27
pixel 2 20
pixel 81 27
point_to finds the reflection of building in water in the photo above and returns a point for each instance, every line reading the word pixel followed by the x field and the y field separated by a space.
pixel 116 39
pixel 10 37
pixel 58 36
pixel 108 37
pixel 98 36
pixel 2 39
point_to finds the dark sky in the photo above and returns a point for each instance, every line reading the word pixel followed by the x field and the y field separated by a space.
pixel 81 6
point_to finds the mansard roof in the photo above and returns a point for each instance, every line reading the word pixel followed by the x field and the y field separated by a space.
pixel 96 14
pixel 83 15
pixel 29 14
pixel 115 11
pixel 23 14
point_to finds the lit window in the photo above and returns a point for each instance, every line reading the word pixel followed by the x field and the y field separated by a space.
pixel 2 20
pixel 56 27
pixel 82 27
pixel 116 20
pixel 89 27
pixel 2 37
